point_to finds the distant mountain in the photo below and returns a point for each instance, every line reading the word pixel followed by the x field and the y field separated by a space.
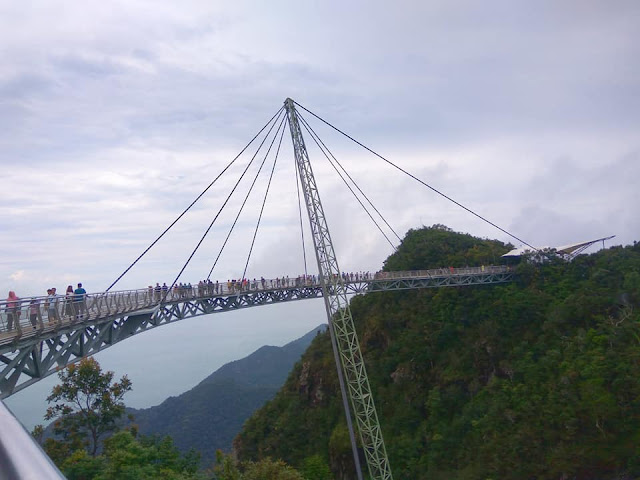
pixel 208 416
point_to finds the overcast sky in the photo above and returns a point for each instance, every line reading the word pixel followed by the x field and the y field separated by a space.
pixel 115 115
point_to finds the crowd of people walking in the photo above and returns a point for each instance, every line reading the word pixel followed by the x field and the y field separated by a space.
pixel 73 305
pixel 55 308
pixel 208 287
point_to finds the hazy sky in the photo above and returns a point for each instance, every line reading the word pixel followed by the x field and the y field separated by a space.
pixel 115 115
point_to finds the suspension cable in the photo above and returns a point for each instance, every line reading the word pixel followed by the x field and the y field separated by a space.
pixel 244 202
pixel 304 251
pixel 264 201
pixel 304 123
pixel 220 210
pixel 318 139
pixel 417 179
pixel 197 198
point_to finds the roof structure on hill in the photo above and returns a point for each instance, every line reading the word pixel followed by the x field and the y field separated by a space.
pixel 568 251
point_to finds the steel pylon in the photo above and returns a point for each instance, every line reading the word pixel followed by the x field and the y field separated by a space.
pixel 346 348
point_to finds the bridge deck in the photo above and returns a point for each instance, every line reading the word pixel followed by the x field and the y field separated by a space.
pixel 51 334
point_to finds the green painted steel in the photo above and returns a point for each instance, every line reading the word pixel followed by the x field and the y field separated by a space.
pixel 345 340
pixel 29 354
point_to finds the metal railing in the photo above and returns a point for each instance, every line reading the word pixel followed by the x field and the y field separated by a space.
pixel 20 455
pixel 29 315
pixel 443 272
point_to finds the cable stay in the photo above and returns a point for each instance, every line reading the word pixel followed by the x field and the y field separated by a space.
pixel 322 148
pixel 304 251
pixel 308 126
pixel 264 201
pixel 277 114
pixel 219 212
pixel 418 179
pixel 245 200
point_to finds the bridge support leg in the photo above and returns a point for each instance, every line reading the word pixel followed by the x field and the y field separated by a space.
pixel 343 335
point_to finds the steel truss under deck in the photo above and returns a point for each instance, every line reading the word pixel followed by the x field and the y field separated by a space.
pixel 31 355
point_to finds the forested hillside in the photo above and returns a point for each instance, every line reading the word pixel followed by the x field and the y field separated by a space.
pixel 536 379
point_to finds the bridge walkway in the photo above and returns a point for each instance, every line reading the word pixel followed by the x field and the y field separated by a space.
pixel 49 335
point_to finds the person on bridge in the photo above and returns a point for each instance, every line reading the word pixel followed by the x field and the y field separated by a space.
pixel 52 306
pixel 34 310
pixel 13 310
pixel 79 296
pixel 68 303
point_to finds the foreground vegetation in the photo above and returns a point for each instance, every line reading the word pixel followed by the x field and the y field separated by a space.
pixel 87 443
pixel 537 379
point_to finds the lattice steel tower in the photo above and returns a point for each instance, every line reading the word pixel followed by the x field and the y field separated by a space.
pixel 346 348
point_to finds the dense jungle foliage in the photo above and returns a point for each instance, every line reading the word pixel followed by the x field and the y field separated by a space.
pixel 535 379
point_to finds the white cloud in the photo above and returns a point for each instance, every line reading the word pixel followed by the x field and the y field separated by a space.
pixel 17 276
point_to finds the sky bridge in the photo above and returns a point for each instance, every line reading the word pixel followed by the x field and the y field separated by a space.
pixel 108 131
pixel 40 335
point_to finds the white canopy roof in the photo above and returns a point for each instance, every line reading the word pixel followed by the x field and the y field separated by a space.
pixel 564 249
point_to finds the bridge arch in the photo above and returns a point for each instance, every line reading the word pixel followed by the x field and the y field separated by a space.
pixel 31 352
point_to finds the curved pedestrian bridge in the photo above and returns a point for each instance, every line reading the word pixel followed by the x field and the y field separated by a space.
pixel 39 335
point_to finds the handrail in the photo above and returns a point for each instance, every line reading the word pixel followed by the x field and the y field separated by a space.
pixel 20 455
pixel 444 272
pixel 34 314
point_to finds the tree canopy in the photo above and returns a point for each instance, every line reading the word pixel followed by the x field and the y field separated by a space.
pixel 86 403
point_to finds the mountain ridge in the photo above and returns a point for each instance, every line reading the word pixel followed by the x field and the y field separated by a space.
pixel 208 416
pixel 264 363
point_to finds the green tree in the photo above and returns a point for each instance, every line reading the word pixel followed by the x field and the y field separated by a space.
pixel 149 458
pixel 316 468
pixel 225 468
pixel 265 469
pixel 268 469
pixel 79 465
pixel 126 457
pixel 87 403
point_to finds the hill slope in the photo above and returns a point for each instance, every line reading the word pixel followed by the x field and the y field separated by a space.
pixel 538 379
pixel 208 416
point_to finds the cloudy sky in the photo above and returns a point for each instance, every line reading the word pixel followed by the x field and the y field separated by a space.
pixel 115 115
